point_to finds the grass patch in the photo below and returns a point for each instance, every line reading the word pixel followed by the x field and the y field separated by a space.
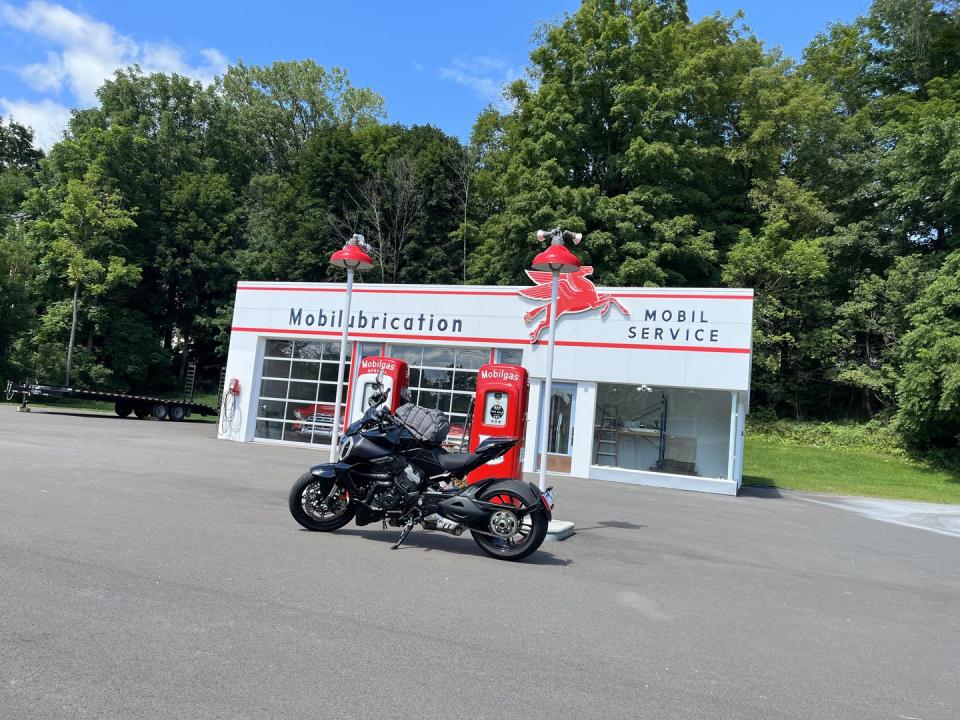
pixel 845 471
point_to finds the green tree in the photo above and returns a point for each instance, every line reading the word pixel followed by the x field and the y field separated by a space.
pixel 18 160
pixel 929 389
pixel 17 263
pixel 84 236
pixel 282 105
pixel 643 128
pixel 785 263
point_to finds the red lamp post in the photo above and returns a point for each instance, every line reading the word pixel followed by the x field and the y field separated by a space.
pixel 353 256
pixel 555 259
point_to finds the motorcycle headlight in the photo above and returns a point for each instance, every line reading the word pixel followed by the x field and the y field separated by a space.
pixel 346 445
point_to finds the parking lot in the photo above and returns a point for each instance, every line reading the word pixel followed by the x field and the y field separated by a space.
pixel 150 570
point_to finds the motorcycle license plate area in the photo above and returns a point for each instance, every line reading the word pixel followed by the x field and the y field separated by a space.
pixel 549 498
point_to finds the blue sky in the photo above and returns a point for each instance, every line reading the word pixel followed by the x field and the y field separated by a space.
pixel 434 62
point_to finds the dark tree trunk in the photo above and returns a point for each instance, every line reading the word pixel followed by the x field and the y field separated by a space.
pixel 73 333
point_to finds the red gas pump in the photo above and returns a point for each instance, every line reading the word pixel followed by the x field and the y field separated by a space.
pixel 500 410
pixel 396 378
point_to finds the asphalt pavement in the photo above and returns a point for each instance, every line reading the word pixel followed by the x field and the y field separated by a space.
pixel 148 570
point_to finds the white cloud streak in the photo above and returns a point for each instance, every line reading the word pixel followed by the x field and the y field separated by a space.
pixel 486 75
pixel 47 118
pixel 83 53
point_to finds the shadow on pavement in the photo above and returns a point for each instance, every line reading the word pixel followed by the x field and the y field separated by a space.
pixel 427 541
pixel 614 524
pixel 757 491
pixel 76 413
pixel 111 416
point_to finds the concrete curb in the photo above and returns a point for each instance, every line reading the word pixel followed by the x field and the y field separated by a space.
pixel 559 530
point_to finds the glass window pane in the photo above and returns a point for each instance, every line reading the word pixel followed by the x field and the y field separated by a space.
pixel 331 351
pixel 461 403
pixel 510 356
pixel 269 429
pixel 465 381
pixel 294 433
pixel 472 358
pixel 674 430
pixel 303 391
pixel 305 370
pixel 329 371
pixel 436 379
pixel 410 353
pixel 441 357
pixel 301 409
pixel 328 392
pixel 435 401
pixel 414 378
pixel 270 408
pixel 279 348
pixel 561 410
pixel 276 368
pixel 307 349
pixel 369 349
pixel 273 389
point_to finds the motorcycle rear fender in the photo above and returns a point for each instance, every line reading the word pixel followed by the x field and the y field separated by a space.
pixel 528 491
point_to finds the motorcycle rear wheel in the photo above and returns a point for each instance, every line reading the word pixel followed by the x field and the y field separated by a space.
pixel 309 508
pixel 531 530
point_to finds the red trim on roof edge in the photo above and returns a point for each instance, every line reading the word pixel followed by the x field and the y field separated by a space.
pixel 488 293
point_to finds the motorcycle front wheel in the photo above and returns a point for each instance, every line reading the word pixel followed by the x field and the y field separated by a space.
pixel 318 510
pixel 510 537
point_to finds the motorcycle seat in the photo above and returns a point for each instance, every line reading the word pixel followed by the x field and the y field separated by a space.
pixel 455 462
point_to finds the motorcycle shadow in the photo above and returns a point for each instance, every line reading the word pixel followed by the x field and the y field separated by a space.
pixel 429 541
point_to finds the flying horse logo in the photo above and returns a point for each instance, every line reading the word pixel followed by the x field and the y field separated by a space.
pixel 576 294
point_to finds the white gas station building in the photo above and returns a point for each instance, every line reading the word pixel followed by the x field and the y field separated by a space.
pixel 650 385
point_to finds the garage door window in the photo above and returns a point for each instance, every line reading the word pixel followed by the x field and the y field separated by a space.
pixel 297 390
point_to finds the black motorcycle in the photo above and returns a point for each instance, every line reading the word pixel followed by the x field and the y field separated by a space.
pixel 387 472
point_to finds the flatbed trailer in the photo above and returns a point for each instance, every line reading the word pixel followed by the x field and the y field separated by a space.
pixel 124 404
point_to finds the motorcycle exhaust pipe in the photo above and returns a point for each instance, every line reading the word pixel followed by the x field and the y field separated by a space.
pixel 435 522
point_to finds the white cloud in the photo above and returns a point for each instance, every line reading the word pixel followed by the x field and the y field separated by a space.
pixel 47 118
pixel 84 52
pixel 486 75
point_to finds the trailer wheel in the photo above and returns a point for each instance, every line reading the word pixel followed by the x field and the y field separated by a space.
pixel 160 411
pixel 122 409
pixel 177 412
pixel 141 411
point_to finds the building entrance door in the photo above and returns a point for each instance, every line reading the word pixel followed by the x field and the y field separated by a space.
pixel 560 439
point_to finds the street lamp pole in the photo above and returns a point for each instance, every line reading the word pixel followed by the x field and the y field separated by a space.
pixel 548 386
pixel 555 259
pixel 353 256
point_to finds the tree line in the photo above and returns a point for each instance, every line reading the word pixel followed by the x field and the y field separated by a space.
pixel 691 155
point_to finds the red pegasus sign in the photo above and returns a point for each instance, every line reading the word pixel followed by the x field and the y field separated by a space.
pixel 576 294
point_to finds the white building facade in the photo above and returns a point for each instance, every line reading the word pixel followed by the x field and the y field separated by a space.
pixel 650 385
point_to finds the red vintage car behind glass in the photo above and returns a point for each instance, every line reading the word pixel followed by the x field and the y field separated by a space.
pixel 314 419
pixel 455 438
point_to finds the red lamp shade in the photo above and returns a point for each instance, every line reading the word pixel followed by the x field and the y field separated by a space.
pixel 351 257
pixel 556 258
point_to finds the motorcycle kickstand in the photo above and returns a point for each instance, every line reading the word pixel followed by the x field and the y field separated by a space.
pixel 403 533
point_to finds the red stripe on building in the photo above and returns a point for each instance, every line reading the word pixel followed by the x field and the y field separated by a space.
pixel 489 340
pixel 379 291
pixel 683 296
pixel 488 293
